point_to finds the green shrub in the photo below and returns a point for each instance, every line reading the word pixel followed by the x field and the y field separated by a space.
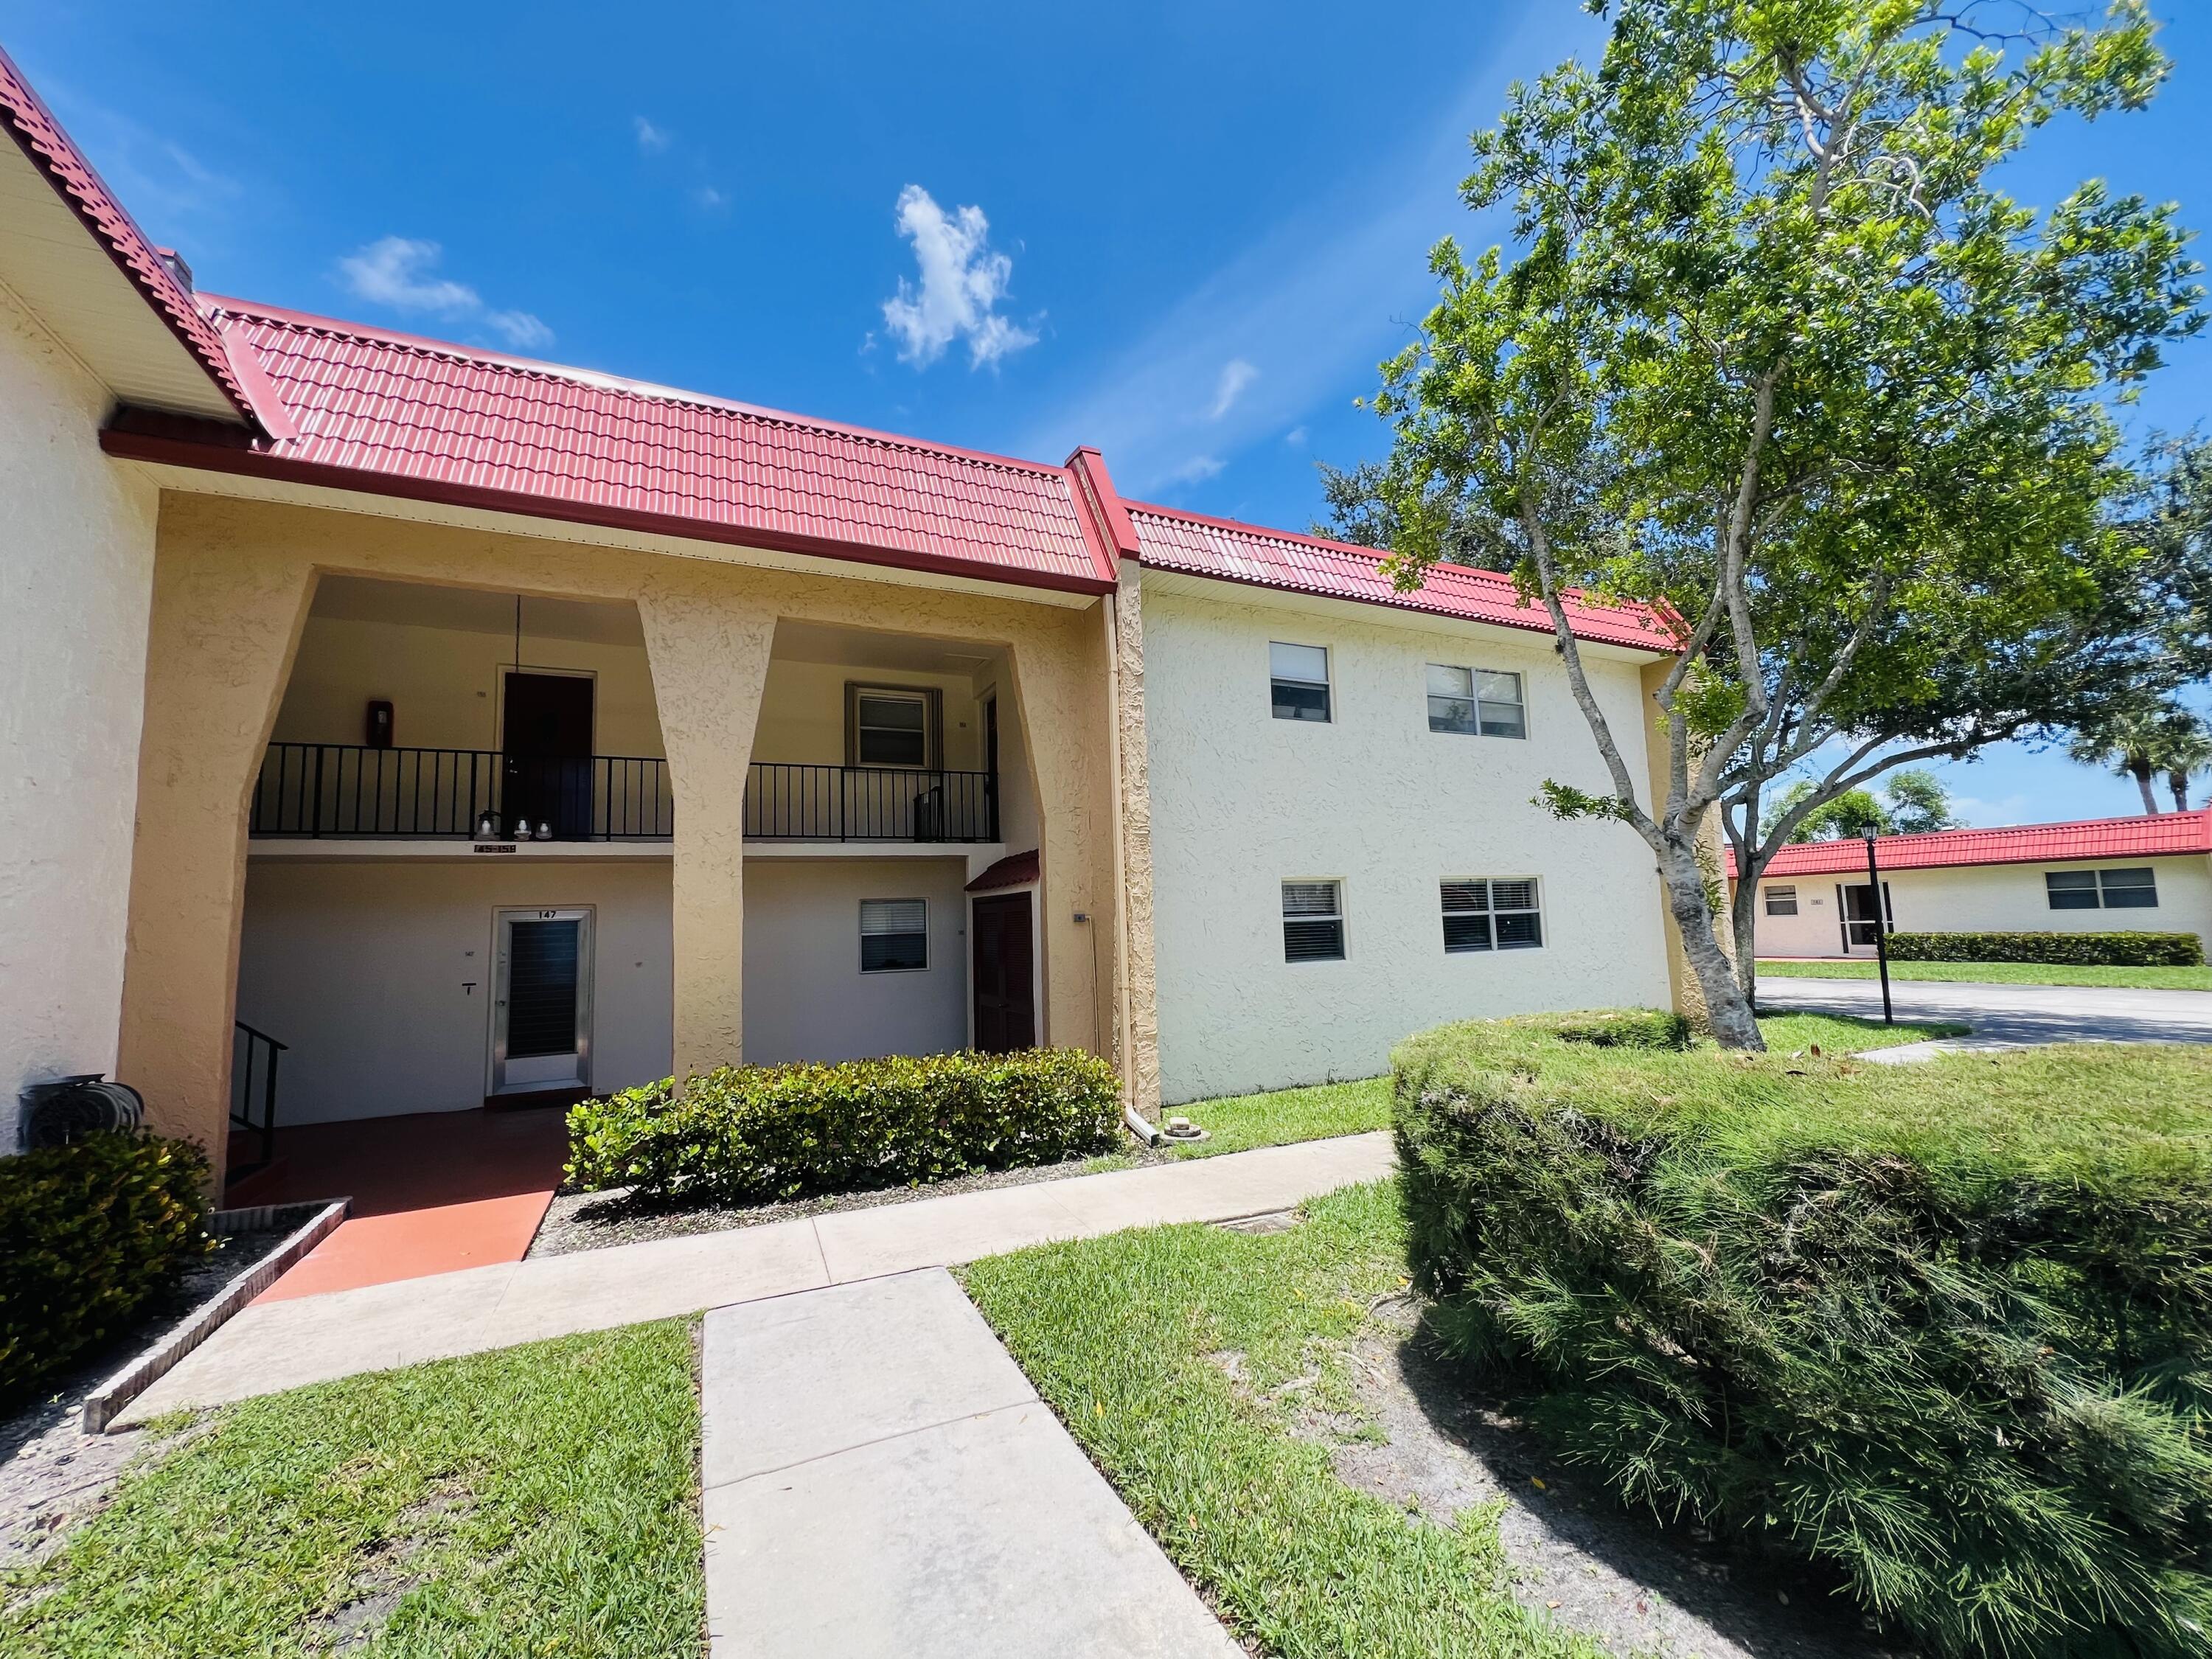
pixel 2065 950
pixel 1945 1327
pixel 750 1133
pixel 91 1234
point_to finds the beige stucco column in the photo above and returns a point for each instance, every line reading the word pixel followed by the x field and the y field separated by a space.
pixel 1139 1013
pixel 1688 996
pixel 708 644
pixel 225 621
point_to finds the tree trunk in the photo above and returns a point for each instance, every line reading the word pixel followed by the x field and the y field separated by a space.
pixel 2141 769
pixel 1743 923
pixel 1727 1010
pixel 2178 782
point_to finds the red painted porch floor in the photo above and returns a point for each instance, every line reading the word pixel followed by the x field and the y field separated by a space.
pixel 432 1192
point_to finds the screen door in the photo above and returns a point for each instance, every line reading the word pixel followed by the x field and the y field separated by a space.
pixel 541 1007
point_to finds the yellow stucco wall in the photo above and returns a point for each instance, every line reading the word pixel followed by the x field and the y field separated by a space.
pixel 232 583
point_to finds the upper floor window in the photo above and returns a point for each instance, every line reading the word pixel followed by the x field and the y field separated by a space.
pixel 1782 900
pixel 894 935
pixel 891 726
pixel 1476 701
pixel 1313 921
pixel 2112 890
pixel 1493 915
pixel 1299 679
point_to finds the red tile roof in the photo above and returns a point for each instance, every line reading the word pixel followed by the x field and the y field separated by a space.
pixel 2166 834
pixel 397 415
pixel 1226 551
pixel 1015 870
pixel 33 125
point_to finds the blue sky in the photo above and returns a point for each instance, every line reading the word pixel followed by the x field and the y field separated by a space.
pixel 1185 233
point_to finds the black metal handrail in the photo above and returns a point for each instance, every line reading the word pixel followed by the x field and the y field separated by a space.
pixel 257 1042
pixel 786 801
pixel 351 791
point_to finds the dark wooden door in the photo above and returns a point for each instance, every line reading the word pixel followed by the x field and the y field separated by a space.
pixel 1006 968
pixel 548 746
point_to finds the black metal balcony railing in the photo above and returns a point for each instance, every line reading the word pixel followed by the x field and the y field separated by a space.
pixel 786 802
pixel 346 791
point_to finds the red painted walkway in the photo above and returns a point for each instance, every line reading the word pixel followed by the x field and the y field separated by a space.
pixel 433 1192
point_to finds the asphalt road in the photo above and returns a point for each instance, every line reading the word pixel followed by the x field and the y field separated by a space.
pixel 2005 1016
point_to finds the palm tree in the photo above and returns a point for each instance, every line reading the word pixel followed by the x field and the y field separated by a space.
pixel 2143 744
pixel 2187 751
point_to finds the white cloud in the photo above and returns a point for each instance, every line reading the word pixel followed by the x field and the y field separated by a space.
pixel 400 272
pixel 962 281
pixel 651 139
pixel 1295 437
pixel 520 330
pixel 1236 375
pixel 708 197
pixel 395 271
pixel 1197 470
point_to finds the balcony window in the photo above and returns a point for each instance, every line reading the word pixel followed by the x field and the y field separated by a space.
pixel 891 726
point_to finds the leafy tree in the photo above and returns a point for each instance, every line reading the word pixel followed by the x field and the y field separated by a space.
pixel 1919 804
pixel 1774 355
pixel 2187 753
pixel 1855 812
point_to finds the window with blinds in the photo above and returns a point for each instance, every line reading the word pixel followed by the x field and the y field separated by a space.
pixel 894 935
pixel 1476 702
pixel 2109 889
pixel 1782 900
pixel 1298 681
pixel 891 727
pixel 1313 921
pixel 1491 913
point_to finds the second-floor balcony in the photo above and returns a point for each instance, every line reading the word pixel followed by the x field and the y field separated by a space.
pixel 353 792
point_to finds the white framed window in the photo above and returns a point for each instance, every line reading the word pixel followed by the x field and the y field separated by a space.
pixel 1313 921
pixel 894 935
pixel 1298 681
pixel 1494 913
pixel 891 726
pixel 1476 702
pixel 1782 900
pixel 2110 890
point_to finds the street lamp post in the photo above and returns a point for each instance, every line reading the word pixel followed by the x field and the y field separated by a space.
pixel 1880 931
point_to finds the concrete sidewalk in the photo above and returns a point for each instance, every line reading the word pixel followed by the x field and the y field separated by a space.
pixel 882 1482
pixel 274 1346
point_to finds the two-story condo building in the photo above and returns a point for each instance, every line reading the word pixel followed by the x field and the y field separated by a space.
pixel 483 731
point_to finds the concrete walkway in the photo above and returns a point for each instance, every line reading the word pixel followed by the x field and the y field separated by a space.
pixel 2003 1016
pixel 882 1482
pixel 274 1346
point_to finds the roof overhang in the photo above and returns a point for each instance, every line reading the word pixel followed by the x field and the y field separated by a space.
pixel 192 477
pixel 1229 590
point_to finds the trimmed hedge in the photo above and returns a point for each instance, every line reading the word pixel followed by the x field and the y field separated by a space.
pixel 1947 1327
pixel 750 1135
pixel 2065 950
pixel 92 1235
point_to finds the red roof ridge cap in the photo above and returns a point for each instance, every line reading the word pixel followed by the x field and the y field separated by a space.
pixel 648 390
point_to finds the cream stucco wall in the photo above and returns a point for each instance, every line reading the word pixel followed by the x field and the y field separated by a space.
pixel 803 713
pixel 1241 802
pixel 445 686
pixel 77 572
pixel 378 976
pixel 806 996
pixel 1987 898
pixel 233 583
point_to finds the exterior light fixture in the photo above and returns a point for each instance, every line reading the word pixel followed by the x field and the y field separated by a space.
pixel 522 830
pixel 545 829
pixel 487 827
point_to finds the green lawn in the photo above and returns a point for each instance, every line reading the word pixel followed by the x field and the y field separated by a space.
pixel 1125 1337
pixel 537 1501
pixel 1237 1123
pixel 1999 973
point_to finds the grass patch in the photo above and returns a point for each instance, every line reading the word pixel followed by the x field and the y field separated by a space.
pixel 538 1500
pixel 1238 1123
pixel 1122 1336
pixel 2000 972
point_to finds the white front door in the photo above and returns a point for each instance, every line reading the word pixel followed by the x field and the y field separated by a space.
pixel 541 1030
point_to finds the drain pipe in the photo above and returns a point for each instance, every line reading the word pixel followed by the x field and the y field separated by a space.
pixel 1133 1120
